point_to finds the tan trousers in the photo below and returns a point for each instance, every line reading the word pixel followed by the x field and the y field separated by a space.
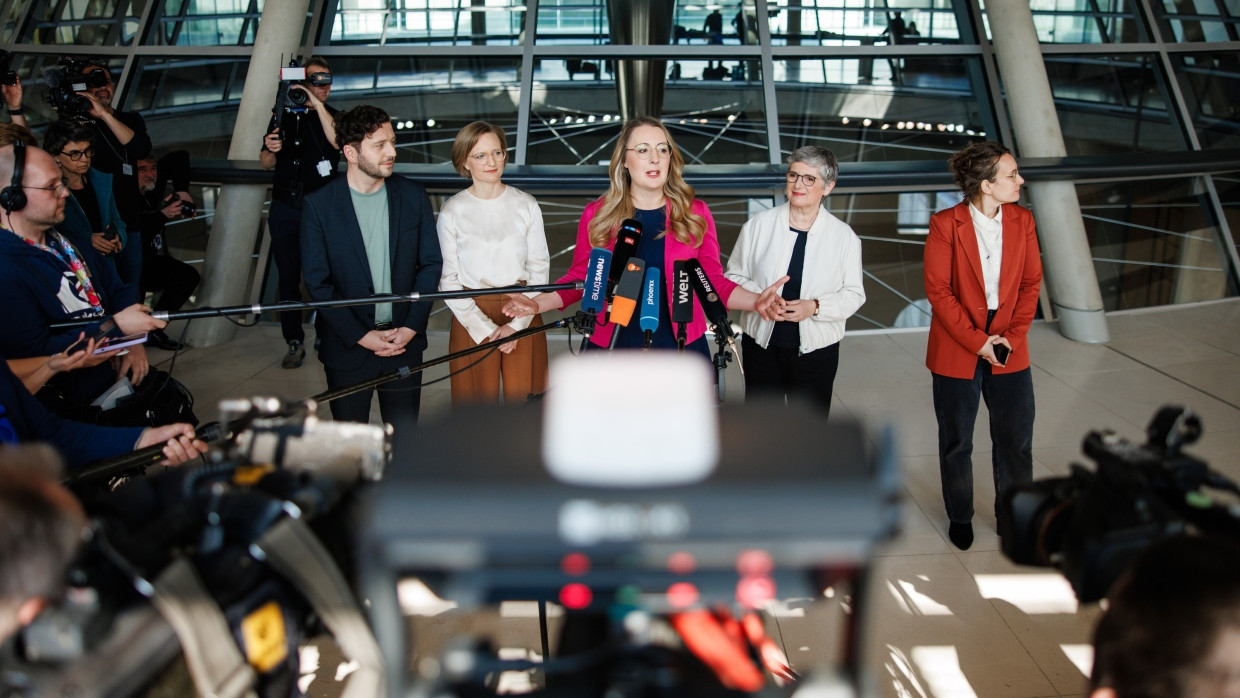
pixel 524 371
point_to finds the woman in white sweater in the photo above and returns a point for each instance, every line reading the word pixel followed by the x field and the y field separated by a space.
pixel 798 353
pixel 491 236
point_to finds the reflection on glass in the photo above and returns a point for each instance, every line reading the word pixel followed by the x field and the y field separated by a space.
pixel 914 108
pixel 1211 83
pixel 15 12
pixel 1085 21
pixel 846 23
pixel 567 22
pixel 381 22
pixel 1110 104
pixel 190 104
pixel 100 23
pixel 1153 243
pixel 1199 21
pixel 206 23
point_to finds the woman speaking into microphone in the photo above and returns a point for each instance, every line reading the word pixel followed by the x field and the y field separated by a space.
pixel 648 186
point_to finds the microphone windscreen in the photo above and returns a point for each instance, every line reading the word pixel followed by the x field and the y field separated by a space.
pixel 628 291
pixel 649 320
pixel 682 294
pixel 596 280
pixel 712 305
pixel 627 239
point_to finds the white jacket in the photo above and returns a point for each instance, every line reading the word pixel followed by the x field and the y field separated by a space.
pixel 832 273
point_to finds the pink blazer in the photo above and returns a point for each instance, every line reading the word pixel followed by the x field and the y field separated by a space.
pixel 707 253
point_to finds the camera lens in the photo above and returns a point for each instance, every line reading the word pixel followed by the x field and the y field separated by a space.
pixel 298 97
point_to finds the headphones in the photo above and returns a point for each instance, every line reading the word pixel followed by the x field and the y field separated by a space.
pixel 12 198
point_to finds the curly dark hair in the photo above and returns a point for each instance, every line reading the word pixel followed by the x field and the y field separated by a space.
pixel 353 126
pixel 61 133
pixel 976 164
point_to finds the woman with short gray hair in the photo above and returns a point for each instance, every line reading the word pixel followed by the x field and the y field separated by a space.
pixel 797 354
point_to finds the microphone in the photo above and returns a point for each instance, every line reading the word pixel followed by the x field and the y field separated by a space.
pixel 628 292
pixel 716 313
pixel 596 286
pixel 649 320
pixel 627 238
pixel 682 301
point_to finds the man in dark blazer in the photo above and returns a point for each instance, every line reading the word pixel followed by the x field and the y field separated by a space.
pixel 370 233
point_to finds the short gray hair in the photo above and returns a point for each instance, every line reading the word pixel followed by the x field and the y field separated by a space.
pixel 818 158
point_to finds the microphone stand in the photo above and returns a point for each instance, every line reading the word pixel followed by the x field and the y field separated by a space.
pixel 406 371
pixel 337 303
pixel 721 359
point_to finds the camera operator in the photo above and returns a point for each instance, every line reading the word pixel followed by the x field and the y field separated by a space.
pixel 42 528
pixel 302 150
pixel 120 140
pixel 160 270
pixel 1172 627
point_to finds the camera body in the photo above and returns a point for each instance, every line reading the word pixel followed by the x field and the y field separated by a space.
pixel 188 209
pixel 1091 524
pixel 7 76
pixel 64 82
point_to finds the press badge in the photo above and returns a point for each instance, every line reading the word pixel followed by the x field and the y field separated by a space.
pixel 324 167
pixel 127 170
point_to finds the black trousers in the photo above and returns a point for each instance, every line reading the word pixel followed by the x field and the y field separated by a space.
pixel 399 400
pixel 284 222
pixel 785 372
pixel 175 278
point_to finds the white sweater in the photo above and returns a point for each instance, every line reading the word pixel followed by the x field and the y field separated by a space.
pixel 488 243
pixel 832 273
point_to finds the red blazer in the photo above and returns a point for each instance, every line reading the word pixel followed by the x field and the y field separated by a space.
pixel 953 275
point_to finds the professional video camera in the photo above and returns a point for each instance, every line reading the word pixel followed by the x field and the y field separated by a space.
pixel 65 81
pixel 231 574
pixel 293 101
pixel 1091 524
pixel 7 76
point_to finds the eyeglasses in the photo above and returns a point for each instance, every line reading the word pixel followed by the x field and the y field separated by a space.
pixel 807 179
pixel 497 155
pixel 643 150
pixel 76 155
pixel 61 187
pixel 1014 176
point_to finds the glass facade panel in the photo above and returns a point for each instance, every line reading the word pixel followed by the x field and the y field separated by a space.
pixel 912 109
pixel 101 23
pixel 16 10
pixel 1199 20
pixel 1085 21
pixel 189 104
pixel 441 22
pixel 852 23
pixel 1153 243
pixel 206 23
pixel 1112 104
pixel 1211 84
pixel 567 22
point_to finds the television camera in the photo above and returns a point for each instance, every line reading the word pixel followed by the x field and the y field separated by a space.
pixel 233 573
pixel 65 81
pixel 291 96
pixel 1092 523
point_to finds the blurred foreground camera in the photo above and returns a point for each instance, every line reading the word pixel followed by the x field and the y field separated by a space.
pixel 1091 524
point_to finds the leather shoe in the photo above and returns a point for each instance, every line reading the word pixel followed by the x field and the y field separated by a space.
pixel 960 534
pixel 160 340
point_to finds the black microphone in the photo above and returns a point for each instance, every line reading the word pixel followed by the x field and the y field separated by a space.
pixel 596 285
pixel 716 313
pixel 628 293
pixel 682 301
pixel 627 238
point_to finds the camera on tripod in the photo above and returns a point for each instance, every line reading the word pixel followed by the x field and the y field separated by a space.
pixel 65 81
pixel 1091 524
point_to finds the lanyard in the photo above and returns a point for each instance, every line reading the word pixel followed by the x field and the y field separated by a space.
pixel 63 250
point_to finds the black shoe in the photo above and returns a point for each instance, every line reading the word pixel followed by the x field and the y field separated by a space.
pixel 296 353
pixel 160 340
pixel 961 534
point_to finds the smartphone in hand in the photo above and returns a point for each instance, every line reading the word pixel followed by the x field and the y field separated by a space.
pixel 110 345
pixel 101 334
pixel 1001 353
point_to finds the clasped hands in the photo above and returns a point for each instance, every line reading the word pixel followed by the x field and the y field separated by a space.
pixel 389 342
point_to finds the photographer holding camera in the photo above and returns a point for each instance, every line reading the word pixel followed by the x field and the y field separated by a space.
pixel 302 150
pixel 11 89
pixel 160 270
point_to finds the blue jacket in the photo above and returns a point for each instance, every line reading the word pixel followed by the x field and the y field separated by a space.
pixel 77 227
pixel 38 289
pixel 23 419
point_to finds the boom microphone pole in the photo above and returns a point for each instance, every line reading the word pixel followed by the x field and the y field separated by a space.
pixel 338 303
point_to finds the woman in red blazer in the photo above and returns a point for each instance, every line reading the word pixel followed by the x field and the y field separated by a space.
pixel 982 274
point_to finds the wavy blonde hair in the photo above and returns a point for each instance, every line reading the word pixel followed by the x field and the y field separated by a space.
pixel 685 225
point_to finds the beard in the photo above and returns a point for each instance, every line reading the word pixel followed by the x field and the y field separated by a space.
pixel 371 167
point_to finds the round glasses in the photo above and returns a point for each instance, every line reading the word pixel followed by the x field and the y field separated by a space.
pixel 644 150
pixel 807 179
pixel 76 155
pixel 497 155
